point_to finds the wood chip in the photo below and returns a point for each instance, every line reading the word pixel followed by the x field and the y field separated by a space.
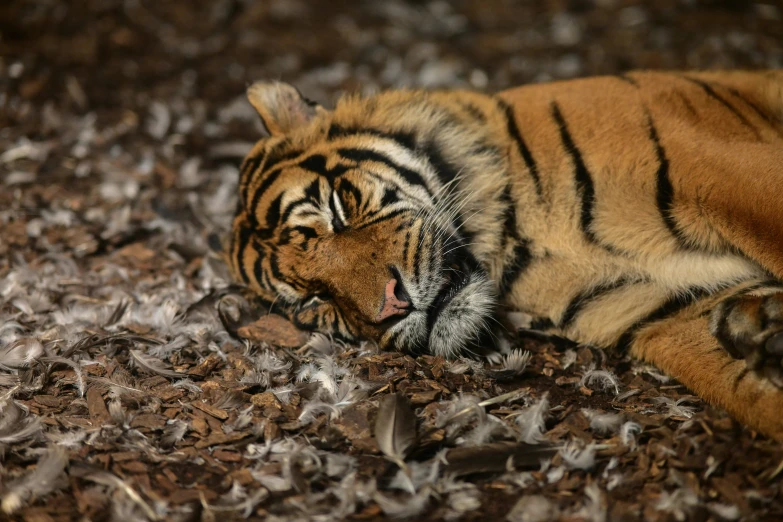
pixel 354 421
pixel 137 253
pixel 227 456
pixel 47 400
pixel 148 420
pixel 122 456
pixel 266 399
pixel 210 410
pixel 206 367
pixel 275 330
pixel 424 397
pixel 216 438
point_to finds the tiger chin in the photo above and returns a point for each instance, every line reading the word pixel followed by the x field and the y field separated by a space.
pixel 637 212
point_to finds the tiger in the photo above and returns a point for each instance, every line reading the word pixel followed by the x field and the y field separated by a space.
pixel 633 212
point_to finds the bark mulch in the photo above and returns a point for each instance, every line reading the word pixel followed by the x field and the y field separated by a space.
pixel 138 383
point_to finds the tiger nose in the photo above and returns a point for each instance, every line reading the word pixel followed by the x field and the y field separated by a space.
pixel 396 301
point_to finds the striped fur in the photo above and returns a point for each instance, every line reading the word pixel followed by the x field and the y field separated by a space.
pixel 637 211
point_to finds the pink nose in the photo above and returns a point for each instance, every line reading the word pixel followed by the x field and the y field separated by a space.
pixel 394 302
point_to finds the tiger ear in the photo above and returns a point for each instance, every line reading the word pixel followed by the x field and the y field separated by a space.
pixel 281 106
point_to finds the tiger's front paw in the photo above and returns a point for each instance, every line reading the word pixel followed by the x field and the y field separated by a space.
pixel 750 327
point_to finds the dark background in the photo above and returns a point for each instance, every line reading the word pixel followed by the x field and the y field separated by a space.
pixel 125 52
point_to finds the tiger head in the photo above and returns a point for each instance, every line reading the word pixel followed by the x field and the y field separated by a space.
pixel 354 221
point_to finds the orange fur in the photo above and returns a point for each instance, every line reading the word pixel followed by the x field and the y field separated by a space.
pixel 640 210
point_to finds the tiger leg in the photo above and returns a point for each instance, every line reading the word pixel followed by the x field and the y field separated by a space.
pixel 727 349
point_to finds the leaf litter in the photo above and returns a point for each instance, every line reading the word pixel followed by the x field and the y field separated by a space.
pixel 137 382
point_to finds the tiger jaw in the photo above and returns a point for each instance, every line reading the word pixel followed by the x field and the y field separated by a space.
pixel 462 324
pixel 457 321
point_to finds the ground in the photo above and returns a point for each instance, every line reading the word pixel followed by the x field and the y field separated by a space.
pixel 126 390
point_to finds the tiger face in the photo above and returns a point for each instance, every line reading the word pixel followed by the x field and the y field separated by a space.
pixel 351 232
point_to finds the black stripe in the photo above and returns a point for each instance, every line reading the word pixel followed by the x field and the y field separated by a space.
pixel 336 323
pixel 276 273
pixel 510 231
pixel 584 298
pixel 307 232
pixel 474 111
pixel 541 323
pixel 274 158
pixel 344 331
pixel 404 139
pixel 417 254
pixel 258 268
pixel 345 188
pixel 435 251
pixel 390 196
pixel 627 79
pixel 297 282
pixel 272 168
pixel 272 217
pixel 271 160
pixel 266 281
pixel 664 191
pixel 312 195
pixel 761 114
pixel 521 255
pixel 711 93
pixel 520 260
pixel 445 170
pixel 359 155
pixel 392 341
pixel 584 183
pixel 742 374
pixel 406 245
pixel 294 205
pixel 306 325
pixel 668 309
pixel 313 192
pixel 686 102
pixel 246 171
pixel 243 239
pixel 384 217
pixel 522 148
pixel 262 188
pixel 317 164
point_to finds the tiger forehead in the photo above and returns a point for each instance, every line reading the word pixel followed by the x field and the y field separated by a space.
pixel 388 130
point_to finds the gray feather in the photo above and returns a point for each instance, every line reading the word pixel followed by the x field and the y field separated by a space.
pixel 395 427
pixel 152 365
pixel 496 457
pixel 42 480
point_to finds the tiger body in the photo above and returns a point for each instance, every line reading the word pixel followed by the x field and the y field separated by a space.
pixel 637 211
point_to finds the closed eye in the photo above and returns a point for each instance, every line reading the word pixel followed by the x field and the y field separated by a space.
pixel 339 221
pixel 316 300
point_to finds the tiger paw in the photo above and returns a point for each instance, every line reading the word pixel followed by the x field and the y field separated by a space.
pixel 750 327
